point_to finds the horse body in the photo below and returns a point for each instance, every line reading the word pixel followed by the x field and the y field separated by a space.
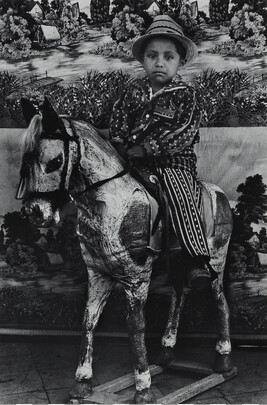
pixel 113 228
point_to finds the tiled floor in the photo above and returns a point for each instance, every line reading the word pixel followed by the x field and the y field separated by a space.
pixel 41 371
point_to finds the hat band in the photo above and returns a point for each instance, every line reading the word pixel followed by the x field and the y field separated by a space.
pixel 167 28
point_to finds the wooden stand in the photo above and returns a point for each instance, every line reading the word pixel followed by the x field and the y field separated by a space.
pixel 108 393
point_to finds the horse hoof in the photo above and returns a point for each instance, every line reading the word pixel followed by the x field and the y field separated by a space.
pixel 145 396
pixel 81 390
pixel 166 356
pixel 222 363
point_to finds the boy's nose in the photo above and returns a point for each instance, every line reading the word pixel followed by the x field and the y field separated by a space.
pixel 159 61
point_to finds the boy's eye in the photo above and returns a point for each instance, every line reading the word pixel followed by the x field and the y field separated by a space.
pixel 169 57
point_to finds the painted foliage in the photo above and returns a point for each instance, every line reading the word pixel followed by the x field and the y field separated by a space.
pixel 83 71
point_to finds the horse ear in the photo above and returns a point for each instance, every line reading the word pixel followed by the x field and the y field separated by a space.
pixel 28 110
pixel 51 121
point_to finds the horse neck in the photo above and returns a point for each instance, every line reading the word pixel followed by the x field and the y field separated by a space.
pixel 98 159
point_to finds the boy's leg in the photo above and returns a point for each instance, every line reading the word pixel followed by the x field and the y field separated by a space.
pixel 184 197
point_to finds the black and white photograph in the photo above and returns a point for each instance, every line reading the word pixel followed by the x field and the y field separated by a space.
pixel 133 211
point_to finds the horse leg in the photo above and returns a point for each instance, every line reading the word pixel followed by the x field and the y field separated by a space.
pixel 136 296
pixel 223 362
pixel 169 338
pixel 99 290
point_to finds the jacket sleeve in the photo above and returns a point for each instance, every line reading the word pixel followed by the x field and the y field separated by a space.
pixel 183 131
pixel 119 127
pixel 123 111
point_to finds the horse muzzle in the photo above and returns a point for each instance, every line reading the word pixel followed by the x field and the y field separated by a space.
pixel 41 213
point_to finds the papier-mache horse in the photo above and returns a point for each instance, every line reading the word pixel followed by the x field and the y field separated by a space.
pixel 63 157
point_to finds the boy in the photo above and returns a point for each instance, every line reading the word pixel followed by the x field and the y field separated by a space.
pixel 156 123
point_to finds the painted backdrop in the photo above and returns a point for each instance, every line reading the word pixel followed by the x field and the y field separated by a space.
pixel 49 290
pixel 82 66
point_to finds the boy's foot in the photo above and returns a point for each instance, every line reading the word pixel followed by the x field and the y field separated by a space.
pixel 199 278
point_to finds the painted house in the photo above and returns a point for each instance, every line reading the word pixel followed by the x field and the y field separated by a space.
pixel 194 9
pixel 152 8
pixel 36 10
pixel 254 241
pixel 262 258
pixel 46 34
pixel 76 10
pixel 53 260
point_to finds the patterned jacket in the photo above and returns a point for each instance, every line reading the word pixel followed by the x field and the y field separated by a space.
pixel 166 123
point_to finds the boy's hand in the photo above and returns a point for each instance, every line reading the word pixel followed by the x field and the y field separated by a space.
pixel 136 152
pixel 121 150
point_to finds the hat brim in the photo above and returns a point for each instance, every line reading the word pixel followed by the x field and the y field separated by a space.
pixel 189 46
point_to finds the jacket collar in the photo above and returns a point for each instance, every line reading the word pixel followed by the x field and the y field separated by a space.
pixel 176 83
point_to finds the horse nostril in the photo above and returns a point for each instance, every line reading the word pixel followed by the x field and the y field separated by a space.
pixel 23 211
pixel 37 212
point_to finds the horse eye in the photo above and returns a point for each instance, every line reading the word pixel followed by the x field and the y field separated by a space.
pixel 54 164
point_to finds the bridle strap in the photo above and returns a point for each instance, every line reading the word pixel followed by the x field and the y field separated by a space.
pixel 104 181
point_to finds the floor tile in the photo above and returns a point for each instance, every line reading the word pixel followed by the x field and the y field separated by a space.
pixel 249 398
pixel 29 397
pixel 244 382
pixel 19 382
pixel 59 396
pixel 58 378
pixel 54 356
pixel 168 382
pixel 12 363
pixel 112 363
pixel 212 400
pixel 30 370
pixel 13 349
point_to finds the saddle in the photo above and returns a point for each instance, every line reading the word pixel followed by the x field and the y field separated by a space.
pixel 162 236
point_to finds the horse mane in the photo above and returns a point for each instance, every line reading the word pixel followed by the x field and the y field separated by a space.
pixel 32 135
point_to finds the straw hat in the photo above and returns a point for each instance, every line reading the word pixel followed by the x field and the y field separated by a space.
pixel 163 25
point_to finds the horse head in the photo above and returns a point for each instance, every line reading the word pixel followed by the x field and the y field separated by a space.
pixel 62 157
pixel 49 152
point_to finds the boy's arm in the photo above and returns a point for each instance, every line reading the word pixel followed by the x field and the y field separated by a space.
pixel 118 129
pixel 183 132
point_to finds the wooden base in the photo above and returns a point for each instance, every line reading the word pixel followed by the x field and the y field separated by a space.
pixel 108 393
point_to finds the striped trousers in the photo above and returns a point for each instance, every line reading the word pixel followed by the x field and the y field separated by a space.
pixel 184 197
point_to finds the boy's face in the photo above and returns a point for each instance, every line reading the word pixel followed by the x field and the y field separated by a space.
pixel 161 62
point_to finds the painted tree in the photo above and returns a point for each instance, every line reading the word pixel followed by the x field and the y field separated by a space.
pixel 56 5
pixel 218 10
pixel 180 11
pixel 135 7
pixel 99 11
pixel 252 203
pixel 263 236
pixel 259 6
pixel 251 207
pixel 21 257
pixel 19 7
pixel 188 23
pixel 248 26
pixel 68 24
pixel 67 241
pixel 45 5
pixel 171 8
pixel 62 17
pixel 17 226
pixel 14 36
pixel 126 25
